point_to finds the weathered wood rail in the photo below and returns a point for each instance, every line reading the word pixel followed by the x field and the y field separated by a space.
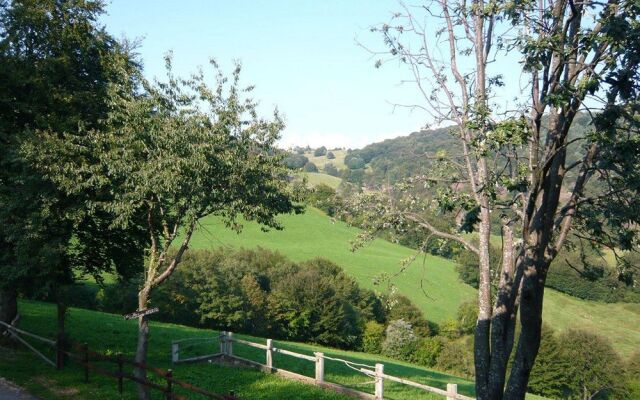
pixel 226 354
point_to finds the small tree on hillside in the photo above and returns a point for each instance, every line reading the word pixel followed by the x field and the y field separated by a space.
pixel 173 155
pixel 522 167
pixel 320 151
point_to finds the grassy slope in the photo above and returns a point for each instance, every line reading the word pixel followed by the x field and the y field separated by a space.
pixel 111 333
pixel 313 234
pixel 316 178
pixel 338 162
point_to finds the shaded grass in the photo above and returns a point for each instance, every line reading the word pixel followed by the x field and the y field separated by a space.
pixel 112 334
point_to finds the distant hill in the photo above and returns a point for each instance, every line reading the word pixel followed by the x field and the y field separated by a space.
pixel 402 157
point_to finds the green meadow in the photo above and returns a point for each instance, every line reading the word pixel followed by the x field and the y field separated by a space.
pixel 109 333
pixel 430 282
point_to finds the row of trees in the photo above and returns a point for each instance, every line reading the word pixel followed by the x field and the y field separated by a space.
pixel 103 170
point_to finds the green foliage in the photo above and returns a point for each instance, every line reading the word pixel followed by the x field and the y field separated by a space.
pixel 550 376
pixel 330 155
pixel 295 161
pixel 450 329
pixel 400 340
pixel 467 316
pixel 401 308
pixel 373 337
pixel 310 167
pixel 593 366
pixel 56 66
pixel 354 162
pixel 428 351
pixel 457 357
pixel 331 169
pixel 467 265
pixel 320 151
pixel 584 273
pixel 324 198
pixel 262 292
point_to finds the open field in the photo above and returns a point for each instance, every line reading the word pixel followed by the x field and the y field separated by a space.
pixel 338 162
pixel 317 178
pixel 314 234
pixel 111 333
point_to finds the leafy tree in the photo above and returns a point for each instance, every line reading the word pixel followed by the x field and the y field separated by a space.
pixel 295 161
pixel 400 341
pixel 550 376
pixel 56 65
pixel 193 151
pixel 467 316
pixel 456 357
pixel 592 364
pixel 354 163
pixel 310 167
pixel 401 308
pixel 324 197
pixel 330 155
pixel 320 151
pixel 331 169
pixel 428 351
pixel 514 164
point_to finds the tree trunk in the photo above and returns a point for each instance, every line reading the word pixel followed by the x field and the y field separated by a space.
pixel 143 343
pixel 531 300
pixel 8 306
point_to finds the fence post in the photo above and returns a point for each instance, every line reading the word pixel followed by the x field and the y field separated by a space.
pixel 223 348
pixel 379 391
pixel 452 391
pixel 270 354
pixel 59 352
pixel 85 360
pixel 168 377
pixel 319 367
pixel 120 364
pixel 230 344
pixel 174 352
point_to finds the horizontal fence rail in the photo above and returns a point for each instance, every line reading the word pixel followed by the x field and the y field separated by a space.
pixel 226 341
pixel 87 358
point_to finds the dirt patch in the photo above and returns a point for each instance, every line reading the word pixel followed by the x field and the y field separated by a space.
pixel 63 392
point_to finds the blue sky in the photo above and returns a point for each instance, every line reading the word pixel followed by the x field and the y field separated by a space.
pixel 302 56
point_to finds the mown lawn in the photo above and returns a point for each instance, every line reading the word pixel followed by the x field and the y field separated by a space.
pixel 112 334
pixel 430 282
pixel 317 178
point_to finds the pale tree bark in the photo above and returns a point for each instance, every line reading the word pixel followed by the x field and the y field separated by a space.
pixel 538 213
pixel 158 269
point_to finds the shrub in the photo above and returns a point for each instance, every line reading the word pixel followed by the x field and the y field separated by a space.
pixel 295 161
pixel 549 377
pixel 457 357
pixel 373 337
pixel 330 169
pixel 355 163
pixel 320 151
pixel 310 167
pixel 400 307
pixel 467 316
pixel 450 329
pixel 428 351
pixel 592 364
pixel 400 341
pixel 330 155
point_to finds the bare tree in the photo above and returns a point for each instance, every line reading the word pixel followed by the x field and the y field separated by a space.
pixel 521 166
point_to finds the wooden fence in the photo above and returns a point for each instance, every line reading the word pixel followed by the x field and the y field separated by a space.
pixel 226 341
pixel 87 359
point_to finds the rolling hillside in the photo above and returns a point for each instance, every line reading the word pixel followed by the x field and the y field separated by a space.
pixel 430 282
